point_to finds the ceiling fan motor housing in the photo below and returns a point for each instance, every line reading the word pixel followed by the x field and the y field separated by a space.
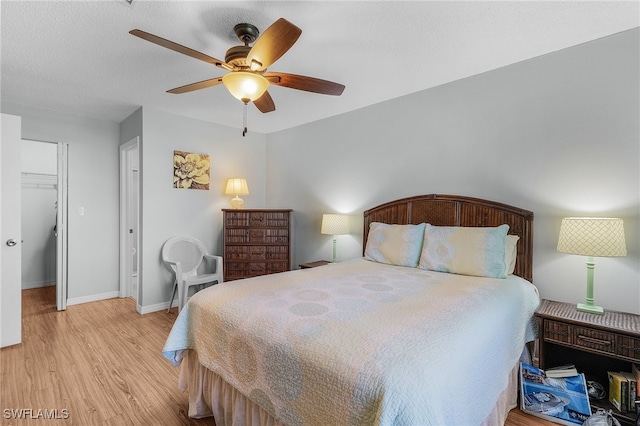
pixel 237 56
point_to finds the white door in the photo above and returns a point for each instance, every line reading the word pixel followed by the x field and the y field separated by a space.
pixel 10 235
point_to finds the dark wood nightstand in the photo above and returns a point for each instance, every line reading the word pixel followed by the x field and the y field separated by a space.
pixel 594 343
pixel 314 264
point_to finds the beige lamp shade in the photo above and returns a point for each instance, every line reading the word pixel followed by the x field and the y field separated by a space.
pixel 592 236
pixel 245 86
pixel 237 186
pixel 335 224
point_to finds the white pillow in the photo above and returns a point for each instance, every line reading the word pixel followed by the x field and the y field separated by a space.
pixel 511 253
pixel 465 250
pixel 394 244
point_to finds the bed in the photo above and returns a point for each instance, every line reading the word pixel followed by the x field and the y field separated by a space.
pixel 427 328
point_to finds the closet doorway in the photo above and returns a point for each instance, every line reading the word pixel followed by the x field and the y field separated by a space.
pixel 44 216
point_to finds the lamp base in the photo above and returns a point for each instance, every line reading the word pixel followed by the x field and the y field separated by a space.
pixel 593 309
pixel 237 202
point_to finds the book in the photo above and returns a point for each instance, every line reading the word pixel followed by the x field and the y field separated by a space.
pixel 635 371
pixel 633 391
pixel 562 371
pixel 624 395
pixel 562 400
pixel 617 393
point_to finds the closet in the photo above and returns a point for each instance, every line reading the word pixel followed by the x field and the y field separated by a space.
pixel 38 213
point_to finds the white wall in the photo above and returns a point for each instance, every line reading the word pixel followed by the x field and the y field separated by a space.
pixel 166 211
pixel 38 157
pixel 93 185
pixel 557 135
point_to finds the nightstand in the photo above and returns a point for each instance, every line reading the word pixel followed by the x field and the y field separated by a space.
pixel 314 264
pixel 594 343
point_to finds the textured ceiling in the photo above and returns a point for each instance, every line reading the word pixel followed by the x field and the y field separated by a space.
pixel 78 57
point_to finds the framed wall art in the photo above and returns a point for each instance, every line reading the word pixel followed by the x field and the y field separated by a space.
pixel 191 170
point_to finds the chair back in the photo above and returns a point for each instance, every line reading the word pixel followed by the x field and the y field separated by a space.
pixel 184 249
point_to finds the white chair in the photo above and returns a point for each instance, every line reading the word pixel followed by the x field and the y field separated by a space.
pixel 184 254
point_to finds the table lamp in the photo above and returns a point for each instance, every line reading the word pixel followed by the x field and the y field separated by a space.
pixel 237 186
pixel 335 224
pixel 592 236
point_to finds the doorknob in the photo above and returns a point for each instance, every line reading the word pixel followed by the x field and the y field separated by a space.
pixel 11 242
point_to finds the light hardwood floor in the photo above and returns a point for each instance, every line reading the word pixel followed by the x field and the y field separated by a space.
pixel 100 363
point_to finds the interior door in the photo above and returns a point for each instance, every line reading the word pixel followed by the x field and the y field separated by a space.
pixel 10 233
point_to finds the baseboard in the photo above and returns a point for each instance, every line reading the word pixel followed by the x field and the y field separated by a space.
pixel 155 308
pixel 114 294
pixel 92 298
pixel 29 286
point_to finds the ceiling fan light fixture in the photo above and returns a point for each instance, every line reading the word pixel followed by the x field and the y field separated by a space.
pixel 245 86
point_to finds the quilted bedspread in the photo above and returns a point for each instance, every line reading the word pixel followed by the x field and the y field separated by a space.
pixel 362 343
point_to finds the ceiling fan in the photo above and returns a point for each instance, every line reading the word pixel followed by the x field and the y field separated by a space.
pixel 248 79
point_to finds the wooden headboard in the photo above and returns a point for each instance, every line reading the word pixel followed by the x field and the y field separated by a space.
pixel 454 210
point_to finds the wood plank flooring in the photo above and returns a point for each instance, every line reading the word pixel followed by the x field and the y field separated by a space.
pixel 99 363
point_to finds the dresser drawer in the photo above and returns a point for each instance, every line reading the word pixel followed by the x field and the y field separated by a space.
pixel 595 340
pixel 257 219
pixel 237 270
pixel 628 347
pixel 269 236
pixel 250 253
pixel 245 269
pixel 245 253
pixel 558 332
pixel 269 219
pixel 256 236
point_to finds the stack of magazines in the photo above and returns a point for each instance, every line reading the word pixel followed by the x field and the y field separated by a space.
pixel 563 400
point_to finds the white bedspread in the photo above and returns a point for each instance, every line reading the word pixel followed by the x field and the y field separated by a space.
pixel 361 342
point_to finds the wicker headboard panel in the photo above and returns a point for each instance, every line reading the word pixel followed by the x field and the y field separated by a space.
pixel 454 210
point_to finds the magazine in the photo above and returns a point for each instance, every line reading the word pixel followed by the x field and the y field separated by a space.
pixel 561 400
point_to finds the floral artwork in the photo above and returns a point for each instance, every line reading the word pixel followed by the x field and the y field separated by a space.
pixel 190 171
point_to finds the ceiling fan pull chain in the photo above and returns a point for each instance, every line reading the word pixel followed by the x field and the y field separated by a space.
pixel 244 119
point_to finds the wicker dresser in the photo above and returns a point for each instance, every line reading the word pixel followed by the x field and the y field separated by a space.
pixel 593 343
pixel 256 242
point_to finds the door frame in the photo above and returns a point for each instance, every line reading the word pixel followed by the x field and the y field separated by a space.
pixel 62 220
pixel 62 238
pixel 129 160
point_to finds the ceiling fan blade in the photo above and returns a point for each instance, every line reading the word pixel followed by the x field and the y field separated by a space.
pixel 196 86
pixel 272 44
pixel 180 48
pixel 265 103
pixel 301 82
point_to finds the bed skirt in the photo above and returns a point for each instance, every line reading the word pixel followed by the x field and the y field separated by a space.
pixel 210 395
